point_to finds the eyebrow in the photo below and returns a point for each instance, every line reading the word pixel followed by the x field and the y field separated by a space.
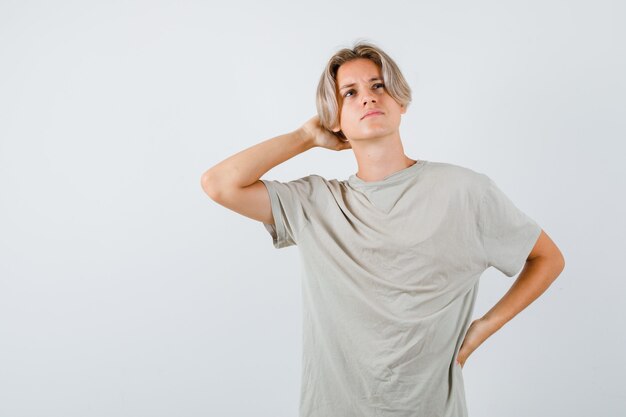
pixel 350 85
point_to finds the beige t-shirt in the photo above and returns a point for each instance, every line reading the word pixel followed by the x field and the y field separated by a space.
pixel 390 277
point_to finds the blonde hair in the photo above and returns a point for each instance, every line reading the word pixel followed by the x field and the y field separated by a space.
pixel 326 99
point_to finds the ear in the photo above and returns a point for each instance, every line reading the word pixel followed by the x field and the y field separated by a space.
pixel 403 109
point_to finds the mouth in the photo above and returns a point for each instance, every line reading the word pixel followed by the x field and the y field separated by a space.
pixel 374 113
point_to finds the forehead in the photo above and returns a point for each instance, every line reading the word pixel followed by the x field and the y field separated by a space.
pixel 360 69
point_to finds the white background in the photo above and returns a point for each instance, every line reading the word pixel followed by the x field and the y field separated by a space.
pixel 126 291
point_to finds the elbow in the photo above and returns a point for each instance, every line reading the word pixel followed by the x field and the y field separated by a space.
pixel 561 260
pixel 558 258
pixel 205 178
pixel 553 260
pixel 557 262
pixel 208 185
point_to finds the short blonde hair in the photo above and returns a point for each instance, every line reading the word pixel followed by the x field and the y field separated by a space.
pixel 327 91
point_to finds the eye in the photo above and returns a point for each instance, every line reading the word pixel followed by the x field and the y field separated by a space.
pixel 375 86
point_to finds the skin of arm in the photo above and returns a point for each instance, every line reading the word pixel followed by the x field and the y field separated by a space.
pixel 543 265
pixel 248 165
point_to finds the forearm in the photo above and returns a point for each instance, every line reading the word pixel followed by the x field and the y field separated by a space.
pixel 535 278
pixel 247 166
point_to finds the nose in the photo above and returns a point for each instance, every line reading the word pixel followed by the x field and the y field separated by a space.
pixel 369 96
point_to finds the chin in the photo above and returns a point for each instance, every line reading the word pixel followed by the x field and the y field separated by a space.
pixel 373 133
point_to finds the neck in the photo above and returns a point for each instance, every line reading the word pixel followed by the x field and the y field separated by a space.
pixel 380 157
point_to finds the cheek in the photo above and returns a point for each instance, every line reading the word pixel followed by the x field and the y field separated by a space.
pixel 351 109
pixel 350 117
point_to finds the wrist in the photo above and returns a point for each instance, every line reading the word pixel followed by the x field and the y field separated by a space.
pixel 492 323
pixel 305 137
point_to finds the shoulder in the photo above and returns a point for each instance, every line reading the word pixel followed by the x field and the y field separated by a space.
pixel 306 182
pixel 321 183
pixel 310 185
pixel 458 175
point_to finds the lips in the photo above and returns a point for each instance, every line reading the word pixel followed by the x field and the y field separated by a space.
pixel 371 112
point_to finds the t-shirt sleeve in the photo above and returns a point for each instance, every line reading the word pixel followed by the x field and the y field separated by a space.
pixel 507 234
pixel 291 207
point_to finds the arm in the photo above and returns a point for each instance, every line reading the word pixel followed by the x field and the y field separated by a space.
pixel 234 182
pixel 544 264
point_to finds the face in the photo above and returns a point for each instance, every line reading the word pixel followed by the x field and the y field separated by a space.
pixel 362 89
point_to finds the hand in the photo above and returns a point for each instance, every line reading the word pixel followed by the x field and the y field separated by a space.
pixel 476 334
pixel 323 137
